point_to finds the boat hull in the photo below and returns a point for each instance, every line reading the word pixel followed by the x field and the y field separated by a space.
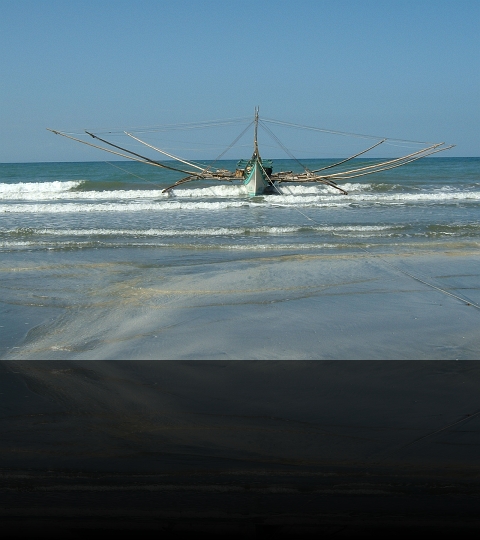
pixel 256 181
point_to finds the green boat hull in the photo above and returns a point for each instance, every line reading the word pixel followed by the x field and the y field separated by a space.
pixel 256 180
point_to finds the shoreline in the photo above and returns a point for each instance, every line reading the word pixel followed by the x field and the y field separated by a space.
pixel 275 306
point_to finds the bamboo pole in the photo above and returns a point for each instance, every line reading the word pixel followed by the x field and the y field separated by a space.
pixel 181 181
pixel 99 147
pixel 312 179
pixel 163 152
pixel 376 165
pixel 397 164
pixel 351 157
pixel 301 180
pixel 305 180
pixel 151 161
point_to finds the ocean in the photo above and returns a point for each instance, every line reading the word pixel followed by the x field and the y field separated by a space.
pixel 95 259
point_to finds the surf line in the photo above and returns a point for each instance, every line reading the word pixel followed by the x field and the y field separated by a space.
pixel 410 275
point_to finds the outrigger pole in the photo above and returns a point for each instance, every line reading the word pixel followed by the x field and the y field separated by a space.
pixel 165 153
pixel 148 160
pixel 351 157
pixel 370 169
pixel 139 157
pixel 378 167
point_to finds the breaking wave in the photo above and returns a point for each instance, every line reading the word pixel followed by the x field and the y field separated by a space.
pixel 217 231
pixel 36 190
pixel 44 191
pixel 64 197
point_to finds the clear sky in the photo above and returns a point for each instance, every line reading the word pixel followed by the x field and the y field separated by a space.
pixel 400 68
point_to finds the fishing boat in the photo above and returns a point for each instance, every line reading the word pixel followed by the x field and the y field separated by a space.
pixel 256 174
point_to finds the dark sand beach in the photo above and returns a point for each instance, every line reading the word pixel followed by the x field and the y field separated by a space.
pixel 244 449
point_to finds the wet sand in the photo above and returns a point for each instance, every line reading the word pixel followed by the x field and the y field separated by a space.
pixel 303 306
pixel 246 449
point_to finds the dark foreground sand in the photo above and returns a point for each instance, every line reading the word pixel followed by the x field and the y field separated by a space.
pixel 240 449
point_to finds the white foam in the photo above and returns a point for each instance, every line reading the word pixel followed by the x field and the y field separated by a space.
pixel 42 191
pixel 220 191
pixel 58 197
pixel 47 191
pixel 315 200
pixel 133 206
pixel 320 189
pixel 138 206
pixel 34 190
pixel 441 195
pixel 267 247
pixel 218 231
pixel 239 247
pixel 16 243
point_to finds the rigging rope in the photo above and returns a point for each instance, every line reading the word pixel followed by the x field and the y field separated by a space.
pixel 228 148
pixel 136 175
pixel 464 300
pixel 344 133
pixel 284 148
pixel 280 193
pixel 166 127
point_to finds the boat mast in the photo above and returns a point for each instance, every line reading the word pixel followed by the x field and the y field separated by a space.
pixel 255 141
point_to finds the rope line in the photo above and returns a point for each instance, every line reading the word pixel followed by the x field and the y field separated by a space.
pixel 453 424
pixel 280 193
pixel 343 133
pixel 166 127
pixel 136 175
pixel 383 456
pixel 465 300
pixel 229 121
pixel 284 148
pixel 228 147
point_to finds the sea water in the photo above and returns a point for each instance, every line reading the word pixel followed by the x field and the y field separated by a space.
pixel 71 206
pixel 73 235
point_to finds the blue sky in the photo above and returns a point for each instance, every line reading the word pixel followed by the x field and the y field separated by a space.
pixel 405 69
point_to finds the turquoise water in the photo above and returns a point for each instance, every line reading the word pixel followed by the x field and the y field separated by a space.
pixel 65 206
